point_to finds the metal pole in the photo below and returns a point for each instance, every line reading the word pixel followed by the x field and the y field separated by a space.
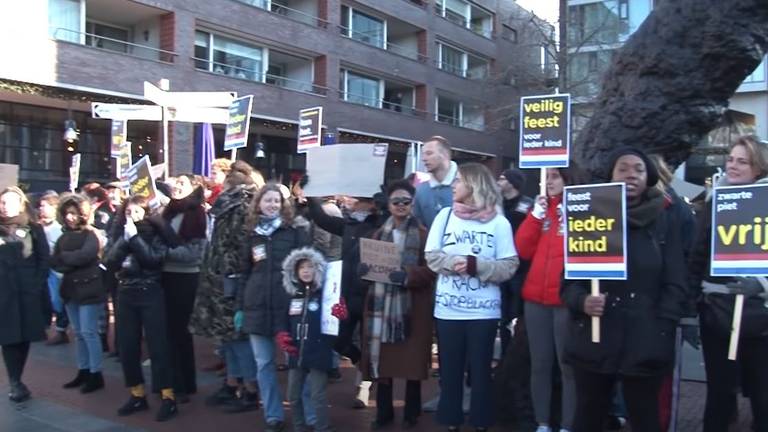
pixel 166 155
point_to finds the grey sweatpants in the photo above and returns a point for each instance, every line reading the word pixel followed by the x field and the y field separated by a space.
pixel 547 328
pixel 317 381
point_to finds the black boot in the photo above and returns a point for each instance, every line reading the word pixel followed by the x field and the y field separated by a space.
pixel 80 379
pixel 19 392
pixel 95 382
pixel 246 402
pixel 134 404
pixel 224 395
pixel 168 410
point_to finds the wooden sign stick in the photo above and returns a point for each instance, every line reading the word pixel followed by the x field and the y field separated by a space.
pixel 595 320
pixel 543 183
pixel 233 156
pixel 738 308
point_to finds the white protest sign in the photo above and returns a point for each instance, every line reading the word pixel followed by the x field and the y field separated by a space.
pixel 329 324
pixel 155 113
pixel 74 172
pixel 9 175
pixel 355 170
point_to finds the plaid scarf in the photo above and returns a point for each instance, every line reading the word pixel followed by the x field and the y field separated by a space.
pixel 266 226
pixel 390 305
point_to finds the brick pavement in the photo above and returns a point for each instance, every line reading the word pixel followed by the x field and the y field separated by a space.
pixel 57 410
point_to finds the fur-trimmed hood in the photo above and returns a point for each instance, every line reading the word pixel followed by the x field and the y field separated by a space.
pixel 83 205
pixel 290 278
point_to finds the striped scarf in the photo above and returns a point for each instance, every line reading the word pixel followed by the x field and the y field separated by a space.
pixel 390 305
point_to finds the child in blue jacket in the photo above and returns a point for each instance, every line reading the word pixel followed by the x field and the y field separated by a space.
pixel 310 351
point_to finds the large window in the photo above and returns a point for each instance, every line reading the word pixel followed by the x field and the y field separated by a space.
pixel 458 62
pixel 65 19
pixel 758 75
pixel 457 113
pixel 363 27
pixel 226 56
pixel 596 23
pixel 466 15
pixel 107 36
pixel 361 89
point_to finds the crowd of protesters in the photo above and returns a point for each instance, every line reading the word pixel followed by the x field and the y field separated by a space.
pixel 244 261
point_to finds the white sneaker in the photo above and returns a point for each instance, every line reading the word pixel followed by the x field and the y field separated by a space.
pixel 543 429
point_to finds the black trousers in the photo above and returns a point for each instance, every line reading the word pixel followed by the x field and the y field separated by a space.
pixel 144 310
pixel 344 345
pixel 465 345
pixel 15 358
pixel 385 409
pixel 180 291
pixel 725 377
pixel 594 392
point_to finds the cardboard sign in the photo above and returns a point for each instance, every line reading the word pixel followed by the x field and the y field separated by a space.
pixel 355 170
pixel 124 159
pixel 310 125
pixel 9 175
pixel 381 257
pixel 545 131
pixel 139 177
pixel 238 124
pixel 74 172
pixel 740 231
pixel 329 324
pixel 595 231
pixel 119 134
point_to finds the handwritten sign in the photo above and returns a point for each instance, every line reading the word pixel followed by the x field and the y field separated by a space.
pixel 329 324
pixel 381 257
pixel 545 131
pixel 139 176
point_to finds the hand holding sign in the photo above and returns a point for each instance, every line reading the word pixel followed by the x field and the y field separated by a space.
pixel 594 305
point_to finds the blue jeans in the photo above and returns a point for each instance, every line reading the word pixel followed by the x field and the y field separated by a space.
pixel 238 356
pixel 85 321
pixel 264 352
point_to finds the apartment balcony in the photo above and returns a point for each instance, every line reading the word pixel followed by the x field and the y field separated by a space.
pixel 468 15
pixel 461 63
pixel 113 25
pixel 385 94
pixel 303 11
pixel 452 111
pixel 373 28
pixel 239 60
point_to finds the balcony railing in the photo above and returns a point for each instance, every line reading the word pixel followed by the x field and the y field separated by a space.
pixel 473 73
pixel 379 103
pixel 379 42
pixel 463 21
pixel 259 77
pixel 292 14
pixel 459 122
pixel 114 45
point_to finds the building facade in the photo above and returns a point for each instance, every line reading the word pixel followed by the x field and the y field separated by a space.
pixel 393 71
pixel 597 28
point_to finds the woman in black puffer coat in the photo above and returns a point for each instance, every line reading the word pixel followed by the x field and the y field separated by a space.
pixel 272 234
pixel 24 266
pixel 639 315
pixel 137 246
pixel 76 256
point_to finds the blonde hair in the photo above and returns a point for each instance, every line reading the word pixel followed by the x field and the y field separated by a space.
pixel 758 153
pixel 25 206
pixel 481 183
pixel 665 173
pixel 221 164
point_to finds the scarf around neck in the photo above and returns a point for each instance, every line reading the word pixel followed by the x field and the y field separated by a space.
pixel 470 212
pixel 390 305
pixel 645 212
pixel 194 222
pixel 267 226
pixel 9 224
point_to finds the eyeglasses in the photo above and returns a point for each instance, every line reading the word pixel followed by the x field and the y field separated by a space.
pixel 400 201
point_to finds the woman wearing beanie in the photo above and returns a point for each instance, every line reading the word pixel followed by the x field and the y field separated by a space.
pixel 76 256
pixel 471 247
pixel 181 275
pixel 24 266
pixel 638 316
pixel 540 240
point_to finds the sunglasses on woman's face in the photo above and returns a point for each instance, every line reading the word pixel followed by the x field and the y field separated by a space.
pixel 400 201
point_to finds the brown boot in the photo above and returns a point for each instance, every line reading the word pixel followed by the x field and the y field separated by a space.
pixel 59 338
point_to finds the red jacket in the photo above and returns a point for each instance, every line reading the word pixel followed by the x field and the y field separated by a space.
pixel 541 242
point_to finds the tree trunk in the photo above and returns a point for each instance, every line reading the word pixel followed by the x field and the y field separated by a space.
pixel 669 85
